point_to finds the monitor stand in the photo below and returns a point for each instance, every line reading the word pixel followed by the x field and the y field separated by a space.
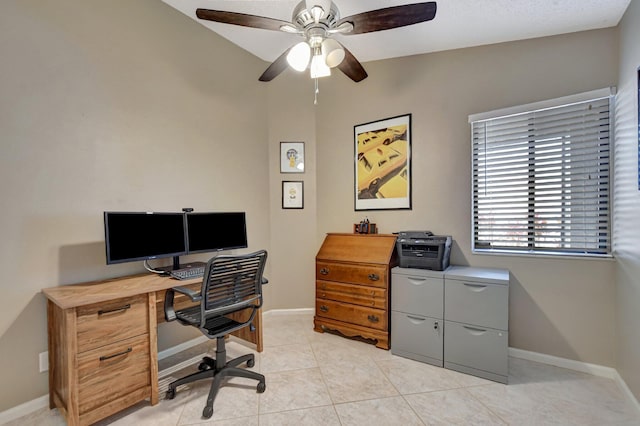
pixel 177 265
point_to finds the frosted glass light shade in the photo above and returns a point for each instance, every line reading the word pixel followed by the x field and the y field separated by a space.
pixel 319 67
pixel 332 52
pixel 298 56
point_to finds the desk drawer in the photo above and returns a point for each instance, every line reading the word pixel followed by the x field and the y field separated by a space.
pixel 103 323
pixel 370 275
pixel 374 297
pixel 354 314
pixel 112 371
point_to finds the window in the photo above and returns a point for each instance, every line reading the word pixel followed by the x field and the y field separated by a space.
pixel 541 177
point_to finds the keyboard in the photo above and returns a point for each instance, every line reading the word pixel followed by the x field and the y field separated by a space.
pixel 187 273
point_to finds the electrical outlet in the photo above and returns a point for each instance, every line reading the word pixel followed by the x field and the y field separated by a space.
pixel 44 361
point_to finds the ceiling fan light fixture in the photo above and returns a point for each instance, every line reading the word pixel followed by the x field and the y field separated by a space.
pixel 319 66
pixel 298 56
pixel 332 52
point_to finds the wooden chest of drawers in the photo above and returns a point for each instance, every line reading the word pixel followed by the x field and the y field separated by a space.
pixel 352 285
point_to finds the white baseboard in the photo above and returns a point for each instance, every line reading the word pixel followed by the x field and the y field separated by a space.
pixel 277 312
pixel 569 364
pixel 584 367
pixel 182 347
pixel 24 409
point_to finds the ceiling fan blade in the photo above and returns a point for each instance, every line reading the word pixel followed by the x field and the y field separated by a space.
pixel 390 17
pixel 276 67
pixel 351 67
pixel 242 19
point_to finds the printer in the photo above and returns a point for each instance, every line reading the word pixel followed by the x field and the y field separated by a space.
pixel 423 250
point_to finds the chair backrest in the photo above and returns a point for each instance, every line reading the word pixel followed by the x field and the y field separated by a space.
pixel 232 283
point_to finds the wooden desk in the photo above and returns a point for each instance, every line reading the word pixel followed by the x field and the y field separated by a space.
pixel 103 354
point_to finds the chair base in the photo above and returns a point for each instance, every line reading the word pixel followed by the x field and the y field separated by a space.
pixel 218 369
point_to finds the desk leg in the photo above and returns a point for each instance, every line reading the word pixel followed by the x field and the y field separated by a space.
pixel 153 347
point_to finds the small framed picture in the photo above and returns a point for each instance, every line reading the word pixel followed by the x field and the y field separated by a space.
pixel 292 195
pixel 291 157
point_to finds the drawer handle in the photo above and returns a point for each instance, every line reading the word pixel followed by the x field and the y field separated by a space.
pixel 475 331
pixel 475 287
pixel 324 271
pixel 374 277
pixel 373 318
pixel 323 308
pixel 416 320
pixel 106 357
pixel 110 311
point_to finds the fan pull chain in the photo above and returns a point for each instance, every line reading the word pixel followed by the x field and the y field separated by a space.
pixel 315 93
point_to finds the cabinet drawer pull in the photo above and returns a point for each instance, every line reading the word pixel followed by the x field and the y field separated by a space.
pixel 475 287
pixel 475 331
pixel 110 311
pixel 106 357
pixel 373 318
pixel 324 271
pixel 323 308
pixel 374 277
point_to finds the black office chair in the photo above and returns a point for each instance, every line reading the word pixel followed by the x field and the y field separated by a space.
pixel 230 284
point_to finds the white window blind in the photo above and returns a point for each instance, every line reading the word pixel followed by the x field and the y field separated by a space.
pixel 541 179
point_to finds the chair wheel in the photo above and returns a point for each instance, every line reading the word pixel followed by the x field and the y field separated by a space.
pixel 251 363
pixel 262 386
pixel 203 366
pixel 171 393
pixel 207 412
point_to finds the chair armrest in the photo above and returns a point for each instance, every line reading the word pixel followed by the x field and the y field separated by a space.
pixel 195 296
pixel 169 311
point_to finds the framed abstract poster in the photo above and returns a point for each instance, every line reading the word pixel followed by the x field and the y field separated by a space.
pixel 291 157
pixel 382 164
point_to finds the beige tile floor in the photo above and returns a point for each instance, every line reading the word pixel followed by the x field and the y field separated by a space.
pixel 323 379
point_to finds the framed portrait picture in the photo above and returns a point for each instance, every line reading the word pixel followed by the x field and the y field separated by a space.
pixel 291 157
pixel 382 164
pixel 292 195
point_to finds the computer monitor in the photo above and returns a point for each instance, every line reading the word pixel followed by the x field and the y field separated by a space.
pixel 131 236
pixel 207 232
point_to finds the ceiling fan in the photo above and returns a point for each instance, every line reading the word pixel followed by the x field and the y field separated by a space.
pixel 317 21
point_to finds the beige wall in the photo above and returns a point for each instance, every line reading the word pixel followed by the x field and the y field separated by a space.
pixel 627 203
pixel 558 307
pixel 118 105
pixel 291 116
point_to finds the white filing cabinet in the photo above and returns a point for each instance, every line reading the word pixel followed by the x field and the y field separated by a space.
pixel 417 319
pixel 458 318
pixel 476 314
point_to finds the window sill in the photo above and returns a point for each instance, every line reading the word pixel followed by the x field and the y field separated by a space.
pixel 557 256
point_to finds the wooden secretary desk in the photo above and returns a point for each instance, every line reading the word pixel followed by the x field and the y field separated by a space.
pixel 353 274
pixel 102 339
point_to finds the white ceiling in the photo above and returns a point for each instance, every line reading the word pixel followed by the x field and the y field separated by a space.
pixel 458 24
